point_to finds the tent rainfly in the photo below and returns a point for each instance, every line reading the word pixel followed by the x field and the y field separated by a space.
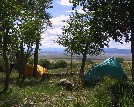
pixel 40 70
pixel 110 67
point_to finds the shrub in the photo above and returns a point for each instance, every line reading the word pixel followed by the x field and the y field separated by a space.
pixel 30 61
pixel 89 62
pixel 120 59
pixel 74 65
pixel 52 65
pixel 61 64
pixel 45 63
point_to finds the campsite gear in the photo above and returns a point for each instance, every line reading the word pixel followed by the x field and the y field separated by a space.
pixel 40 70
pixel 110 67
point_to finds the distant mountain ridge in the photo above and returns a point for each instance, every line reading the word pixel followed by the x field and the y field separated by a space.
pixel 106 50
pixel 52 50
pixel 117 51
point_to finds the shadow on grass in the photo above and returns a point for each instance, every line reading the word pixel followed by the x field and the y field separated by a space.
pixel 8 99
pixel 119 91
pixel 30 82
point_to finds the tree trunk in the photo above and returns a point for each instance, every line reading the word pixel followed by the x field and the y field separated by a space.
pixel 71 61
pixel 36 58
pixel 7 79
pixel 5 57
pixel 22 59
pixel 132 35
pixel 84 56
pixel 132 51
pixel 18 63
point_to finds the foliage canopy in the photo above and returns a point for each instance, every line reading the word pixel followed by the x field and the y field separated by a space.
pixel 116 17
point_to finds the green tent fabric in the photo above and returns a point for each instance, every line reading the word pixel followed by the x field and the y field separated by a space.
pixel 110 67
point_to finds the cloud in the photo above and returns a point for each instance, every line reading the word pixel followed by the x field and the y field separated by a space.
pixel 53 31
pixel 113 44
pixel 58 21
pixel 50 35
pixel 78 10
pixel 65 2
pixel 48 42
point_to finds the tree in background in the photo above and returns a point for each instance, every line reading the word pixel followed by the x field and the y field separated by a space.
pixel 79 37
pixel 8 14
pixel 20 27
pixel 34 23
pixel 43 21
pixel 116 18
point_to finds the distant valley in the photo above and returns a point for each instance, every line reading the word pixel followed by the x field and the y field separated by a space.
pixel 106 50
pixel 109 52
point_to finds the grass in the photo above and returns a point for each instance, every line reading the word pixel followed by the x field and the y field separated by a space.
pixel 37 93
pixel 127 67
pixel 43 94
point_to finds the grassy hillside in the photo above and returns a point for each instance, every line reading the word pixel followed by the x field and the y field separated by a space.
pixel 37 93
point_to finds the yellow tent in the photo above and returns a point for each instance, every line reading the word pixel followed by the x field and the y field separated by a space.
pixel 40 70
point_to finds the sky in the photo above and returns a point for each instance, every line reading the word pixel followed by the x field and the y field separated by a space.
pixel 61 11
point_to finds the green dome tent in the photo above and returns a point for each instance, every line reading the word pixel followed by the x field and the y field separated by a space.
pixel 110 67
